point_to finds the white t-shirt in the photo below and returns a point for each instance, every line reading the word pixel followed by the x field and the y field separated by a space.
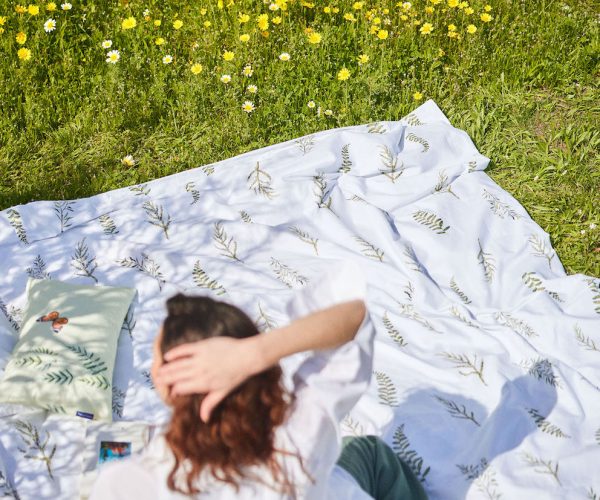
pixel 327 385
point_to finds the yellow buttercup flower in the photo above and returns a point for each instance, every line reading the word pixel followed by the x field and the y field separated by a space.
pixel 429 10
pixel 471 29
pixel 487 8
pixel 228 55
pixel 243 18
pixel 203 12
pixel 417 96
pixel 3 20
pixel 244 37
pixel 343 74
pixel 157 22
pixel 451 27
pixel 178 23
pixel 382 34
pixel 463 5
pixel 196 68
pixel 327 10
pixel 276 20
pixel 160 41
pixel 363 59
pixel 33 10
pixel 426 29
pixel 129 23
pixel 20 9
pixel 469 11
pixel 24 54
pixel 263 22
pixel 404 17
pixel 358 5
pixel 21 38
pixel 453 3
pixel 452 34
pixel 486 18
pixel 314 37
pixel 377 20
pixel 206 24
pixel 349 17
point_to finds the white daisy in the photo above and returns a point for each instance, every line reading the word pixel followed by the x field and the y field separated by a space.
pixel 226 78
pixel 252 89
pixel 66 6
pixel 128 161
pixel 49 25
pixel 107 44
pixel 113 56
pixel 248 106
pixel 311 104
pixel 168 59
pixel 284 56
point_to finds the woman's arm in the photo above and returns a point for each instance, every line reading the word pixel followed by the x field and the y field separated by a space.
pixel 217 365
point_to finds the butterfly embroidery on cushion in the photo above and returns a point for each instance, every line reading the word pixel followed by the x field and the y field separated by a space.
pixel 57 321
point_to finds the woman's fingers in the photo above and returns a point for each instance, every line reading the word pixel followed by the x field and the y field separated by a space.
pixel 189 386
pixel 185 364
pixel 182 351
pixel 209 402
pixel 174 377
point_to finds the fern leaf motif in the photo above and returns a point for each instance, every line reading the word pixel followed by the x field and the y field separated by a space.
pixel 108 224
pixel 517 325
pixel 264 322
pixel 140 190
pixel 412 137
pixel 202 280
pixel 346 161
pixel 352 427
pixel 430 220
pixel 14 218
pixel 245 217
pixel 305 144
pixel 499 208
pixel 83 262
pixel 594 286
pixel 157 216
pixel 547 466
pixel 586 342
pixel 61 377
pixel 535 284
pixel 305 237
pixel 287 275
pixel 376 128
pixel 544 425
pixel 91 362
pixel 118 400
pixel 370 250
pixel 38 269
pixel 220 238
pixel 390 161
pixel 413 120
pixel 463 362
pixel 190 188
pixel 541 369
pixel 408 311
pixel 63 210
pixel 129 323
pixel 471 471
pixel 461 317
pixel 145 265
pixel 541 250
pixel 11 315
pixel 458 411
pixel 320 191
pixel 487 263
pixel 458 291
pixel 401 446
pixel 97 381
pixel 472 166
pixel 261 182
pixel 413 261
pixel 386 389
pixel 392 331
pixel 409 291
pixel 443 186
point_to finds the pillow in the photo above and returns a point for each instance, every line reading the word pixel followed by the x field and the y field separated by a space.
pixel 64 359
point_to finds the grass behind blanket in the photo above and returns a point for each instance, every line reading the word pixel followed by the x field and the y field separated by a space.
pixel 522 86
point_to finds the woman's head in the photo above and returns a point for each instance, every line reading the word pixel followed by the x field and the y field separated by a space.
pixel 241 428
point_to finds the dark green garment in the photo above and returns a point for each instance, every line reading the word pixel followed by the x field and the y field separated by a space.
pixel 378 470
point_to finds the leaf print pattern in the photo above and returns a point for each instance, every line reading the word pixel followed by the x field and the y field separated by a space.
pixel 390 161
pixel 544 425
pixel 499 208
pixel 36 447
pixel 408 311
pixel 461 317
pixel 14 218
pixel 320 191
pixel 413 120
pixel 261 182
pixel 305 237
pixel 118 399
pixel 472 166
pixel 190 188
pixel 346 161
pixel 442 185
pixel 487 263
pixel 264 322
pixel 7 488
pixel 245 217
pixel 140 190
pixel 517 325
pixel 430 220
pixel 472 472
pixel 458 291
pixel 108 224
pixel 457 411
pixel 38 269
pixel 401 446
pixel 83 262
pixel 202 280
pixel 63 210
pixel 547 466
pixel 594 286
pixel 535 284
pixel 287 275
pixel 352 427
pixel 145 265
pixel 96 381
pixel 392 331
pixel 60 377
pixel 463 362
pixel 412 137
pixel 541 250
pixel 90 361
pixel 370 250
pixel 129 323
pixel 376 128
pixel 305 144
pixel 413 261
pixel 586 342
pixel 221 243
pixel 157 216
pixel 11 315
pixel 386 389
pixel 542 370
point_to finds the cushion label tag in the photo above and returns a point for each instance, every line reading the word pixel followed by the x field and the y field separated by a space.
pixel 84 414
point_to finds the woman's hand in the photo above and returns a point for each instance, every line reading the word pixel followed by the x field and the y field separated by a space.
pixel 214 366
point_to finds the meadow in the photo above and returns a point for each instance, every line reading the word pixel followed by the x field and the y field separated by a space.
pixel 97 95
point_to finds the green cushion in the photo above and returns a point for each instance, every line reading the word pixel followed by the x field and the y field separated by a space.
pixel 64 358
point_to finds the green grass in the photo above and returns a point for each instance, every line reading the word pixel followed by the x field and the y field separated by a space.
pixel 524 87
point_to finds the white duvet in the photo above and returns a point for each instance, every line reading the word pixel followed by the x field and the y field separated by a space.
pixel 487 357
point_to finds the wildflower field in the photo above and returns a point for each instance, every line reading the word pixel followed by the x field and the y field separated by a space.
pixel 97 95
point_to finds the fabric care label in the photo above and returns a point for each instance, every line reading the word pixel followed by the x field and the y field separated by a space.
pixel 83 414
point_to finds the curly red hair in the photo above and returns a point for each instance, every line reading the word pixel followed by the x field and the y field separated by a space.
pixel 241 428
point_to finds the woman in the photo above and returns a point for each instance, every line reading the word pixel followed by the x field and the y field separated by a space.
pixel 235 431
